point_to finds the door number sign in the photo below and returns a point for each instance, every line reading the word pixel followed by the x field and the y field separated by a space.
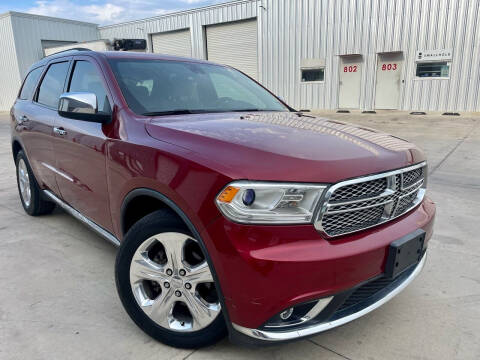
pixel 388 67
pixel 351 68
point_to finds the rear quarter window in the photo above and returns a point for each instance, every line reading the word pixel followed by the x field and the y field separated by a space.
pixel 30 82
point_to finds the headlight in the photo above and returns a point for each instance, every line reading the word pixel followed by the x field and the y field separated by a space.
pixel 254 202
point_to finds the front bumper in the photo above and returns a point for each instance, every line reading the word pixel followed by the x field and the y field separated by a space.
pixel 264 270
pixel 359 310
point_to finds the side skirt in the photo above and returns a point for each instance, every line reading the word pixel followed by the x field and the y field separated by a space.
pixel 77 215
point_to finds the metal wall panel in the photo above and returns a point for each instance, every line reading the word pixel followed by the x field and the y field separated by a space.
pixel 47 44
pixel 195 19
pixel 95 45
pixel 9 73
pixel 29 30
pixel 292 30
pixel 22 36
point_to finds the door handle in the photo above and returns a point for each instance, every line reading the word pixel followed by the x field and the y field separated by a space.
pixel 60 131
pixel 22 119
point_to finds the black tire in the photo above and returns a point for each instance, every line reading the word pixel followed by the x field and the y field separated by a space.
pixel 37 205
pixel 155 223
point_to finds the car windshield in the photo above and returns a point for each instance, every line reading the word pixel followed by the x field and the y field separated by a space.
pixel 164 87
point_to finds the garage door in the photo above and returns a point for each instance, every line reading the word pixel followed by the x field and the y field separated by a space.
pixel 176 43
pixel 234 44
pixel 49 44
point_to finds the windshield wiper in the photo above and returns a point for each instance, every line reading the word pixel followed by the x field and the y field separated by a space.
pixel 246 110
pixel 170 112
pixel 199 111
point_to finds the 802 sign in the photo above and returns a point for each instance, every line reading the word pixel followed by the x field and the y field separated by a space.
pixel 351 68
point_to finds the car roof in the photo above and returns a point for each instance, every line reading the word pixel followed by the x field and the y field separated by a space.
pixel 113 55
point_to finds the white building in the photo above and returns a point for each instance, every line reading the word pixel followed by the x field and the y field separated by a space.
pixel 316 54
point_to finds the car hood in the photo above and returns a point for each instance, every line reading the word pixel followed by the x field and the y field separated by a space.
pixel 282 146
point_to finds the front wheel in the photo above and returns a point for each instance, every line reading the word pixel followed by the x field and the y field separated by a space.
pixel 166 285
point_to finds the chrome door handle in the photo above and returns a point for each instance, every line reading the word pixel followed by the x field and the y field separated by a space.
pixel 22 119
pixel 59 131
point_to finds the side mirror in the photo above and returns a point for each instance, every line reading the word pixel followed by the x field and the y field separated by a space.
pixel 81 106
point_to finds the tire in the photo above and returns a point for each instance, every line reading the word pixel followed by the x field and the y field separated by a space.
pixel 157 250
pixel 30 193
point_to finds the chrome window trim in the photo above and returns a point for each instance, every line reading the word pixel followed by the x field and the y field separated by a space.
pixel 328 193
pixel 272 336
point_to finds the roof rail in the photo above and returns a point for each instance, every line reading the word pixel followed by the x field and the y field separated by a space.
pixel 72 49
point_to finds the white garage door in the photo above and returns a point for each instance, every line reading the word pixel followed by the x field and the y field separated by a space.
pixel 234 44
pixel 176 43
pixel 51 44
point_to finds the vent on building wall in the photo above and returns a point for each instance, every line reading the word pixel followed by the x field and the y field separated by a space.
pixel 129 44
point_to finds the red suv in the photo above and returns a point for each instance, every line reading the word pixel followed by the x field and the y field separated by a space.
pixel 233 212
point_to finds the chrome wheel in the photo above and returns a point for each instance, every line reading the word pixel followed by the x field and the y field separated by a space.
pixel 24 182
pixel 172 283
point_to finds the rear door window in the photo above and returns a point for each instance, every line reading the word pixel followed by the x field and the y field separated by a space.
pixel 86 78
pixel 52 84
pixel 30 82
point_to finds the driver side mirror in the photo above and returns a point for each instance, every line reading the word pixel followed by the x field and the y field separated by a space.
pixel 82 106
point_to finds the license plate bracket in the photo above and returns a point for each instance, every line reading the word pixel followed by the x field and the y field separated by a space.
pixel 404 253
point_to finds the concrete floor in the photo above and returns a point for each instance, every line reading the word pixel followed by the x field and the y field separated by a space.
pixel 58 298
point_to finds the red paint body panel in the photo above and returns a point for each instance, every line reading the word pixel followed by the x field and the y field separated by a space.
pixel 36 138
pixel 163 167
pixel 81 158
pixel 190 158
pixel 303 149
pixel 286 265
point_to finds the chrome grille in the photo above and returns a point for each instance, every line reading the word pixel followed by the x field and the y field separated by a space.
pixel 350 221
pixel 358 204
pixel 356 191
pixel 411 177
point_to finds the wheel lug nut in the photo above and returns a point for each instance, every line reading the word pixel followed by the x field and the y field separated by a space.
pixel 178 293
pixel 166 284
pixel 188 286
pixel 169 272
pixel 182 272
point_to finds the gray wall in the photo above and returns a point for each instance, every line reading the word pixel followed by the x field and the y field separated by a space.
pixel 296 29
pixel 9 73
pixel 292 30
pixel 195 20
pixel 30 30
pixel 22 36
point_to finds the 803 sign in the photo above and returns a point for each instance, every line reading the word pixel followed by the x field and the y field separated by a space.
pixel 388 67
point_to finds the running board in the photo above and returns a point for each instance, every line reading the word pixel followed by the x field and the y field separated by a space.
pixel 77 215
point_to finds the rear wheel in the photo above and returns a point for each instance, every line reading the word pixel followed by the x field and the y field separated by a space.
pixel 30 193
pixel 166 285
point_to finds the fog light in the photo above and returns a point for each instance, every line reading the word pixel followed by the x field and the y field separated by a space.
pixel 286 314
pixel 298 314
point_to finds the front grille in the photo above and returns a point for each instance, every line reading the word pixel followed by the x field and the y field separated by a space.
pixel 359 191
pixel 350 221
pixel 361 203
pixel 411 177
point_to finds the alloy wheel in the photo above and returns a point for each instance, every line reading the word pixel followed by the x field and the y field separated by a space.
pixel 24 183
pixel 172 282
